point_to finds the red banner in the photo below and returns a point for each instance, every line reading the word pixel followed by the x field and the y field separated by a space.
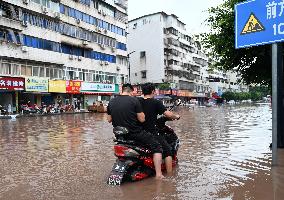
pixel 174 92
pixel 165 91
pixel 137 91
pixel 73 87
pixel 11 83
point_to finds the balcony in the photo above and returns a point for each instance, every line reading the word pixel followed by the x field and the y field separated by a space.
pixel 11 23
pixel 121 3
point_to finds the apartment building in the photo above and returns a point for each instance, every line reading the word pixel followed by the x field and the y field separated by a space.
pixel 66 48
pixel 161 51
pixel 220 82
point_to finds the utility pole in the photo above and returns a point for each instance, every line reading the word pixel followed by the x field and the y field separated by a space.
pixel 128 58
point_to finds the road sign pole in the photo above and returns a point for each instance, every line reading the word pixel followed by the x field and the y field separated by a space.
pixel 276 97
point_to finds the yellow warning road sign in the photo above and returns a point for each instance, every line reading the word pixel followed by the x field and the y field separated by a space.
pixel 253 25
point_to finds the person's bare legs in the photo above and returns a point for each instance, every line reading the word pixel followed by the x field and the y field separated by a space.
pixel 157 158
pixel 169 164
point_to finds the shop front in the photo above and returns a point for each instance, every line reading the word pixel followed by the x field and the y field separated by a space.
pixel 10 88
pixel 184 95
pixel 200 97
pixel 36 91
pixel 57 89
pixel 73 88
pixel 95 92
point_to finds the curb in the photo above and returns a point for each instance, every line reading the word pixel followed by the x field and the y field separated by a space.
pixel 41 115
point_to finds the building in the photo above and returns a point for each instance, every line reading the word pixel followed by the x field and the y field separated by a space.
pixel 61 49
pixel 220 82
pixel 161 51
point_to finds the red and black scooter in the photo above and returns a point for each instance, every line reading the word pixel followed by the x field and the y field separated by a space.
pixel 135 162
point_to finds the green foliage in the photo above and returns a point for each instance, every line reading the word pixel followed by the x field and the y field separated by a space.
pixel 164 86
pixel 255 94
pixel 254 64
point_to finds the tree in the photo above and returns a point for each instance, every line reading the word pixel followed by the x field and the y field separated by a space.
pixel 164 86
pixel 253 64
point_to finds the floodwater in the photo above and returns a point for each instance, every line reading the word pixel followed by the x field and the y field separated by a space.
pixel 224 154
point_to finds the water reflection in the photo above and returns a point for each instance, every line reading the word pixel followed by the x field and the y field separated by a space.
pixel 224 155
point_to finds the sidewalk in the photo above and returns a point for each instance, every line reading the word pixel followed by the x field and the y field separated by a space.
pixel 39 115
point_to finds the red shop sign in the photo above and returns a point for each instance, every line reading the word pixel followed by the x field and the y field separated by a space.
pixel 73 87
pixel 11 83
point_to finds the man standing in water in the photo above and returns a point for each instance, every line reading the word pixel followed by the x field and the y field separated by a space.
pixel 126 111
pixel 152 108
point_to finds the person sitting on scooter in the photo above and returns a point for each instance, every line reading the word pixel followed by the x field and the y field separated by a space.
pixel 126 111
pixel 152 108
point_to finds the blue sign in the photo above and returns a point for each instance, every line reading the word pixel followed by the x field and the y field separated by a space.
pixel 259 22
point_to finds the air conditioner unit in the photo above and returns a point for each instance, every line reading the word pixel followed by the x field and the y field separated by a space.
pixel 117 68
pixel 26 1
pixel 25 23
pixel 113 49
pixel 71 57
pixel 44 9
pixel 79 58
pixel 100 11
pixel 78 21
pixel 106 63
pixel 85 42
pixel 101 62
pixel 57 15
pixel 24 49
pixel 104 14
pixel 105 31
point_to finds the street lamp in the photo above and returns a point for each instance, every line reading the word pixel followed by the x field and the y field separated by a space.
pixel 128 58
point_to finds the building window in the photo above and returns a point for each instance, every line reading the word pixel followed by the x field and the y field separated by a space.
pixel 143 74
pixel 15 70
pixel 41 72
pixel 47 72
pixel 29 70
pixel 6 69
pixel 23 70
pixel 142 54
pixel 35 71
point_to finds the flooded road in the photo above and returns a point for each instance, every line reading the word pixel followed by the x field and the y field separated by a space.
pixel 224 154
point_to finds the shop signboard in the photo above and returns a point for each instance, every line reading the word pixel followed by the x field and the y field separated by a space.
pixel 157 91
pixel 137 91
pixel 12 83
pixel 73 87
pixel 165 91
pixel 99 88
pixel 199 94
pixel 184 93
pixel 34 84
pixel 174 92
pixel 57 86
pixel 181 93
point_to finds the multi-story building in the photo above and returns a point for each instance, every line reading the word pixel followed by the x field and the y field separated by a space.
pixel 50 40
pixel 162 51
pixel 220 82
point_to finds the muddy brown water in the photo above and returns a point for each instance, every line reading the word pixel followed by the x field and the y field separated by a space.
pixel 224 154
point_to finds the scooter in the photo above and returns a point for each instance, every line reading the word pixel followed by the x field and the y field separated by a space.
pixel 3 111
pixel 135 162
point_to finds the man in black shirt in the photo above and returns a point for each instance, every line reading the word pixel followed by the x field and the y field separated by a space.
pixel 152 108
pixel 126 111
